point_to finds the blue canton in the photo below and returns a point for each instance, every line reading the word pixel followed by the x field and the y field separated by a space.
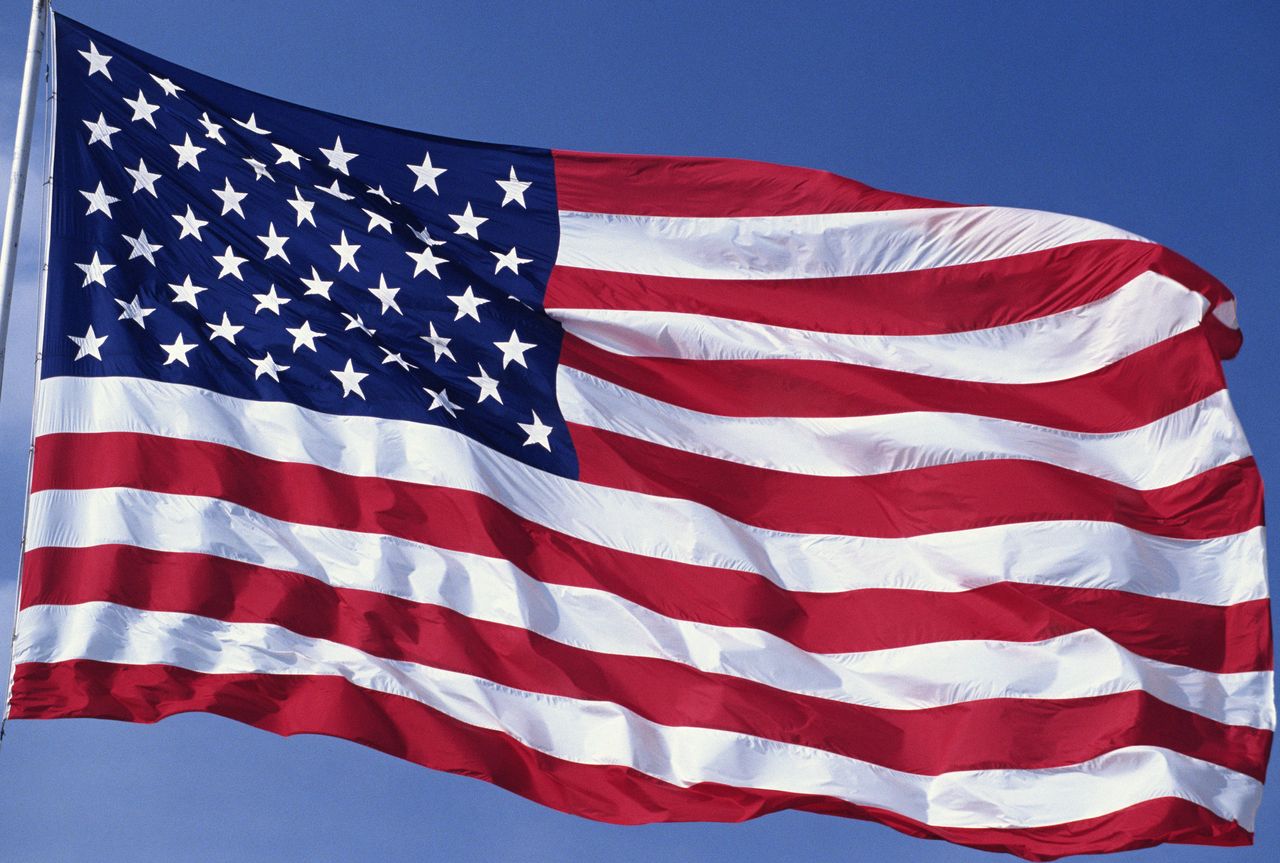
pixel 206 235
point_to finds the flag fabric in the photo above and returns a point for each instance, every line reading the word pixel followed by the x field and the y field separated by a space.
pixel 648 488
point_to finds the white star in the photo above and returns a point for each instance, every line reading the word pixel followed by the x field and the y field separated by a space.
pixel 346 253
pixel 304 335
pixel 397 359
pixel 333 189
pixel 271 301
pixel 426 260
pixel 510 261
pixel 187 153
pixel 513 189
pixel 275 244
pixel 169 88
pixel 190 224
pixel 303 207
pixel 338 157
pixel 513 350
pixel 97 62
pixel 95 271
pixel 468 305
pixel 186 292
pixel 230 263
pixel 317 285
pixel 288 156
pixel 538 432
pixel 142 109
pixel 441 400
pixel 251 124
pixel 178 351
pixel 468 222
pixel 259 170
pixel 357 323
pixel 425 236
pixel 350 380
pixel 90 342
pixel 230 198
pixel 438 343
pixel 133 311
pixel 211 129
pixel 142 247
pixel 99 201
pixel 386 295
pixel 143 179
pixel 426 174
pixel 488 386
pixel 225 330
pixel 376 221
pixel 383 195
pixel 267 366
pixel 101 130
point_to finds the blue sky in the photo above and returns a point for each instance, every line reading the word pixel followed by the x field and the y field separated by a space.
pixel 1157 117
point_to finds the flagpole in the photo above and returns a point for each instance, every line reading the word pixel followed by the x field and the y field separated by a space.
pixel 18 177
pixel 40 19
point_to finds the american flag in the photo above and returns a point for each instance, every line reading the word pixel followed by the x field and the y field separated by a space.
pixel 648 488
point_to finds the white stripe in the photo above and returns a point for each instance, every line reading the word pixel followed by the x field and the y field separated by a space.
pixel 1148 309
pixel 815 246
pixel 1179 446
pixel 600 732
pixel 1078 665
pixel 1225 570
pixel 1226 313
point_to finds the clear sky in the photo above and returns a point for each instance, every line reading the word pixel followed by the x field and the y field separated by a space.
pixel 1158 117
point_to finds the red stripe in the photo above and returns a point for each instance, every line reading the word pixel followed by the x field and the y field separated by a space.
pixel 407 729
pixel 689 186
pixel 1225 340
pixel 1127 394
pixel 919 302
pixel 1201 636
pixel 1218 502
pixel 1033 733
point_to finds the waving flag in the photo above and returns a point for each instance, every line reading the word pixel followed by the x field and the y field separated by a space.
pixel 648 488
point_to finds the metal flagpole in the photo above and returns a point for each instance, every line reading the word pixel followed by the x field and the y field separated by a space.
pixel 9 251
pixel 18 178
